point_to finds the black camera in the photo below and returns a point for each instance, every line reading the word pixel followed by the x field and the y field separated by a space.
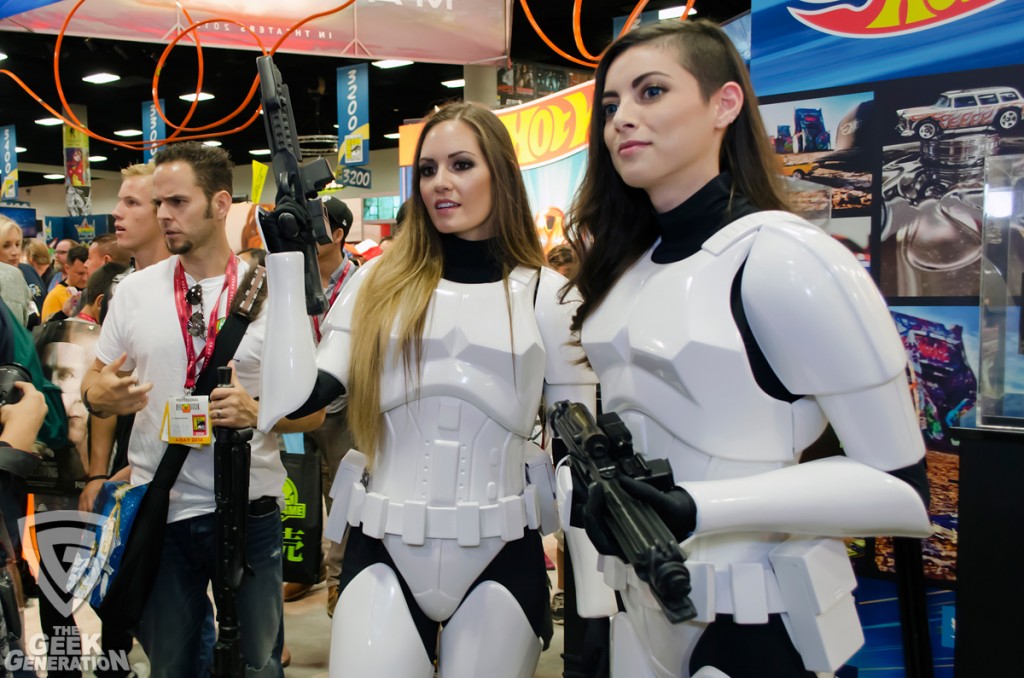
pixel 10 373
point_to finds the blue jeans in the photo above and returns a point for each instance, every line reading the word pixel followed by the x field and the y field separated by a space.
pixel 175 625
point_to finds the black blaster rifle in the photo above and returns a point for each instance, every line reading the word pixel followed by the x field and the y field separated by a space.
pixel 282 232
pixel 231 491
pixel 601 453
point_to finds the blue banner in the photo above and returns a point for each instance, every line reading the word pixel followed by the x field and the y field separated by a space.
pixel 878 40
pixel 13 7
pixel 8 163
pixel 153 127
pixel 353 115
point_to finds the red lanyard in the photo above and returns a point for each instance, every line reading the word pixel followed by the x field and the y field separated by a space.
pixel 334 296
pixel 180 293
pixel 88 318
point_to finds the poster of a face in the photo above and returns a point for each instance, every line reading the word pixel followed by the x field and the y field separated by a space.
pixel 66 350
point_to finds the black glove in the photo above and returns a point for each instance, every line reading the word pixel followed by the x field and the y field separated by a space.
pixel 675 507
pixel 287 227
pixel 595 521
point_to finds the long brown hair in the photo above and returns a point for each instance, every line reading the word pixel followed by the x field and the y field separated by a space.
pixel 611 224
pixel 392 304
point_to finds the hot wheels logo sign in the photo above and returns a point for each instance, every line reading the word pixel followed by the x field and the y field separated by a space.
pixel 885 18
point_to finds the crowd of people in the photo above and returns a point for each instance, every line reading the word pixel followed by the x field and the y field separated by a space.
pixel 685 293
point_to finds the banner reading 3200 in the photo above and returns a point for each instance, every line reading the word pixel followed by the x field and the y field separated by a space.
pixel 353 115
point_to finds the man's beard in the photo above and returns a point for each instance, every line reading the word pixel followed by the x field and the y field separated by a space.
pixel 183 248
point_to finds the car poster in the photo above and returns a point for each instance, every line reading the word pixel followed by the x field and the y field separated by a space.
pixel 935 133
pixel 824 150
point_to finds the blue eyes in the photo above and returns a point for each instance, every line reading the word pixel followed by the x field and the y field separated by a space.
pixel 646 93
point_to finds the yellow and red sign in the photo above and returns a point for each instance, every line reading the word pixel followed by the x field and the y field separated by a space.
pixel 886 18
pixel 542 131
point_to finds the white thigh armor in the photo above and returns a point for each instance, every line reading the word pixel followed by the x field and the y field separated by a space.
pixel 672 363
pixel 450 487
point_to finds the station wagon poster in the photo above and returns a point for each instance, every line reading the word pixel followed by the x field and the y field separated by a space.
pixel 935 133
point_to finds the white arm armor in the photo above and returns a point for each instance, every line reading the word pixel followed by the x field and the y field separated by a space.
pixel 838 344
pixel 594 598
pixel 564 377
pixel 287 369
pixel 332 355
pixel 825 331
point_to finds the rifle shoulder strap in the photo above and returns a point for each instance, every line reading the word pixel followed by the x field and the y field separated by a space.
pixel 228 339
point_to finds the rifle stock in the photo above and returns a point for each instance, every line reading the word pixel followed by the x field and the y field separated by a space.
pixel 601 452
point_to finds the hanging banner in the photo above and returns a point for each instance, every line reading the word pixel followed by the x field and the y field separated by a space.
pixel 442 31
pixel 153 126
pixel 9 168
pixel 77 178
pixel 542 131
pixel 878 40
pixel 353 115
pixel 550 138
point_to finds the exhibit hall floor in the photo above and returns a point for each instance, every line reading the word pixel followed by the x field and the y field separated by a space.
pixel 307 635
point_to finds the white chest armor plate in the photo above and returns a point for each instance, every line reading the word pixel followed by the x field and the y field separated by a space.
pixel 460 433
pixel 672 363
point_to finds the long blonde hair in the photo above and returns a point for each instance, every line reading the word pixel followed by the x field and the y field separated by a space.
pixel 395 297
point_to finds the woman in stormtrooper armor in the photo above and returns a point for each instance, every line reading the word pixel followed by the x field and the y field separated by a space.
pixel 728 333
pixel 445 348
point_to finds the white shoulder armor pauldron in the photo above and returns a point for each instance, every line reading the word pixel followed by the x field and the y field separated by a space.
pixel 815 312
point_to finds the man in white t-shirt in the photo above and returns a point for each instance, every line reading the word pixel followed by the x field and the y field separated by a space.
pixel 161 323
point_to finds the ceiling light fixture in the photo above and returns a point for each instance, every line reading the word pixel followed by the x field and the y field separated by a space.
pixel 203 96
pixel 128 133
pixel 393 135
pixel 674 12
pixel 20 149
pixel 49 122
pixel 260 151
pixel 53 177
pixel 101 78
pixel 97 158
pixel 391 63
pixel 2 56
pixel 461 82
pixel 211 142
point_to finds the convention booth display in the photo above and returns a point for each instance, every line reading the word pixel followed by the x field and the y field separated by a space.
pixel 915 148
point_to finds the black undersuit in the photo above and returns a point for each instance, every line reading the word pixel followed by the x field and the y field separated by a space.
pixel 519 565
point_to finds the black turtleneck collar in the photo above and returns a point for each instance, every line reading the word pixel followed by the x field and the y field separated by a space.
pixel 469 261
pixel 686 227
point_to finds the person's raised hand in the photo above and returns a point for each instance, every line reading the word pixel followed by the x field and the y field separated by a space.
pixel 115 393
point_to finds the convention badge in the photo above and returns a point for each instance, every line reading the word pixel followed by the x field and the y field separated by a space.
pixel 189 420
